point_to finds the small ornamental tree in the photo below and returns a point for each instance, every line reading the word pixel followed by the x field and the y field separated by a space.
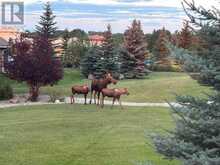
pixel 34 63
pixel 136 46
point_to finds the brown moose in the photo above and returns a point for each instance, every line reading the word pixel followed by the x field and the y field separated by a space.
pixel 84 89
pixel 113 93
pixel 99 84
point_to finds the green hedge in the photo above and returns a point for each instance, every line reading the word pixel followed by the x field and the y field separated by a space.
pixel 6 91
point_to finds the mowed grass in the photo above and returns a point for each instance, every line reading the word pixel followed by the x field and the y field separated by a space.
pixel 80 135
pixel 157 87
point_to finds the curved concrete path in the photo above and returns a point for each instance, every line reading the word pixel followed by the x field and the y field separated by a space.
pixel 81 101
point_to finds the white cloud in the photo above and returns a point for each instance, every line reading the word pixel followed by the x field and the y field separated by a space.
pixel 164 3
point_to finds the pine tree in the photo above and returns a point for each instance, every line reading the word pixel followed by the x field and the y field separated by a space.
pixel 93 63
pixel 109 56
pixel 128 63
pixel 196 139
pixel 47 25
pixel 65 38
pixel 160 51
pixel 104 58
pixel 136 47
pixel 185 36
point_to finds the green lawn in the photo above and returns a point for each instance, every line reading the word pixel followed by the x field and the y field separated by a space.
pixel 157 87
pixel 80 135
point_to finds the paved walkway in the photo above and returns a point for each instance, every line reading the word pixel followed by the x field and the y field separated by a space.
pixel 81 101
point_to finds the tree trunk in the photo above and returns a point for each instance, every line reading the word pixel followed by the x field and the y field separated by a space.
pixel 34 93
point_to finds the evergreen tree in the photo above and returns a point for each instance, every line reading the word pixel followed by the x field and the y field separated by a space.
pixel 196 139
pixel 76 50
pixel 135 45
pixel 93 63
pixel 185 36
pixel 65 37
pixel 104 57
pixel 128 63
pixel 47 25
pixel 160 51
pixel 109 59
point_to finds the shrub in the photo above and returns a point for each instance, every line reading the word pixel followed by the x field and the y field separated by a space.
pixel 6 91
pixel 54 94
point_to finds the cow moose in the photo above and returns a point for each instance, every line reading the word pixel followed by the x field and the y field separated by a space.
pixel 84 89
pixel 99 84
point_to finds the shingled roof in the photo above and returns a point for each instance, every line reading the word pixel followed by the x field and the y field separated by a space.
pixel 3 43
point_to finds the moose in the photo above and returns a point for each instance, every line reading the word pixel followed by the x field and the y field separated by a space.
pixel 84 89
pixel 115 94
pixel 99 84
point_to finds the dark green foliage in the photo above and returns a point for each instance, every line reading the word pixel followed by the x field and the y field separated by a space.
pixel 136 47
pixel 152 38
pixel 127 63
pixel 75 51
pixel 78 33
pixel 47 25
pixel 103 59
pixel 110 60
pixel 6 91
pixel 118 39
pixel 93 63
pixel 196 139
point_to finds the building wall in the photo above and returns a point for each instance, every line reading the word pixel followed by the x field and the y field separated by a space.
pixel 1 61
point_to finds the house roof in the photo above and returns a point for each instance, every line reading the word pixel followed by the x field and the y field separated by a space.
pixel 9 32
pixel 3 43
pixel 96 37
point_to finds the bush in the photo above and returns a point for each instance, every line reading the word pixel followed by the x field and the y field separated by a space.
pixel 54 94
pixel 6 91
pixel 166 68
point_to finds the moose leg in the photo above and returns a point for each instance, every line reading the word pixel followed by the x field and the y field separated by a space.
pixel 72 99
pixel 119 100
pixel 91 96
pixel 113 101
pixel 98 98
pixel 85 96
pixel 95 97
pixel 102 101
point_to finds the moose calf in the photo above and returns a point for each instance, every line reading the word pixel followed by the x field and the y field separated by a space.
pixel 84 89
pixel 115 94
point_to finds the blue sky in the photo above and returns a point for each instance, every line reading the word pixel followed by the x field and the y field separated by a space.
pixel 96 14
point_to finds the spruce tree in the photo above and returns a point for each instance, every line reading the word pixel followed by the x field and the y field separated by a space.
pixel 93 63
pixel 136 47
pixel 128 63
pixel 104 57
pixel 185 36
pixel 196 138
pixel 47 25
pixel 65 38
pixel 109 58
pixel 160 51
